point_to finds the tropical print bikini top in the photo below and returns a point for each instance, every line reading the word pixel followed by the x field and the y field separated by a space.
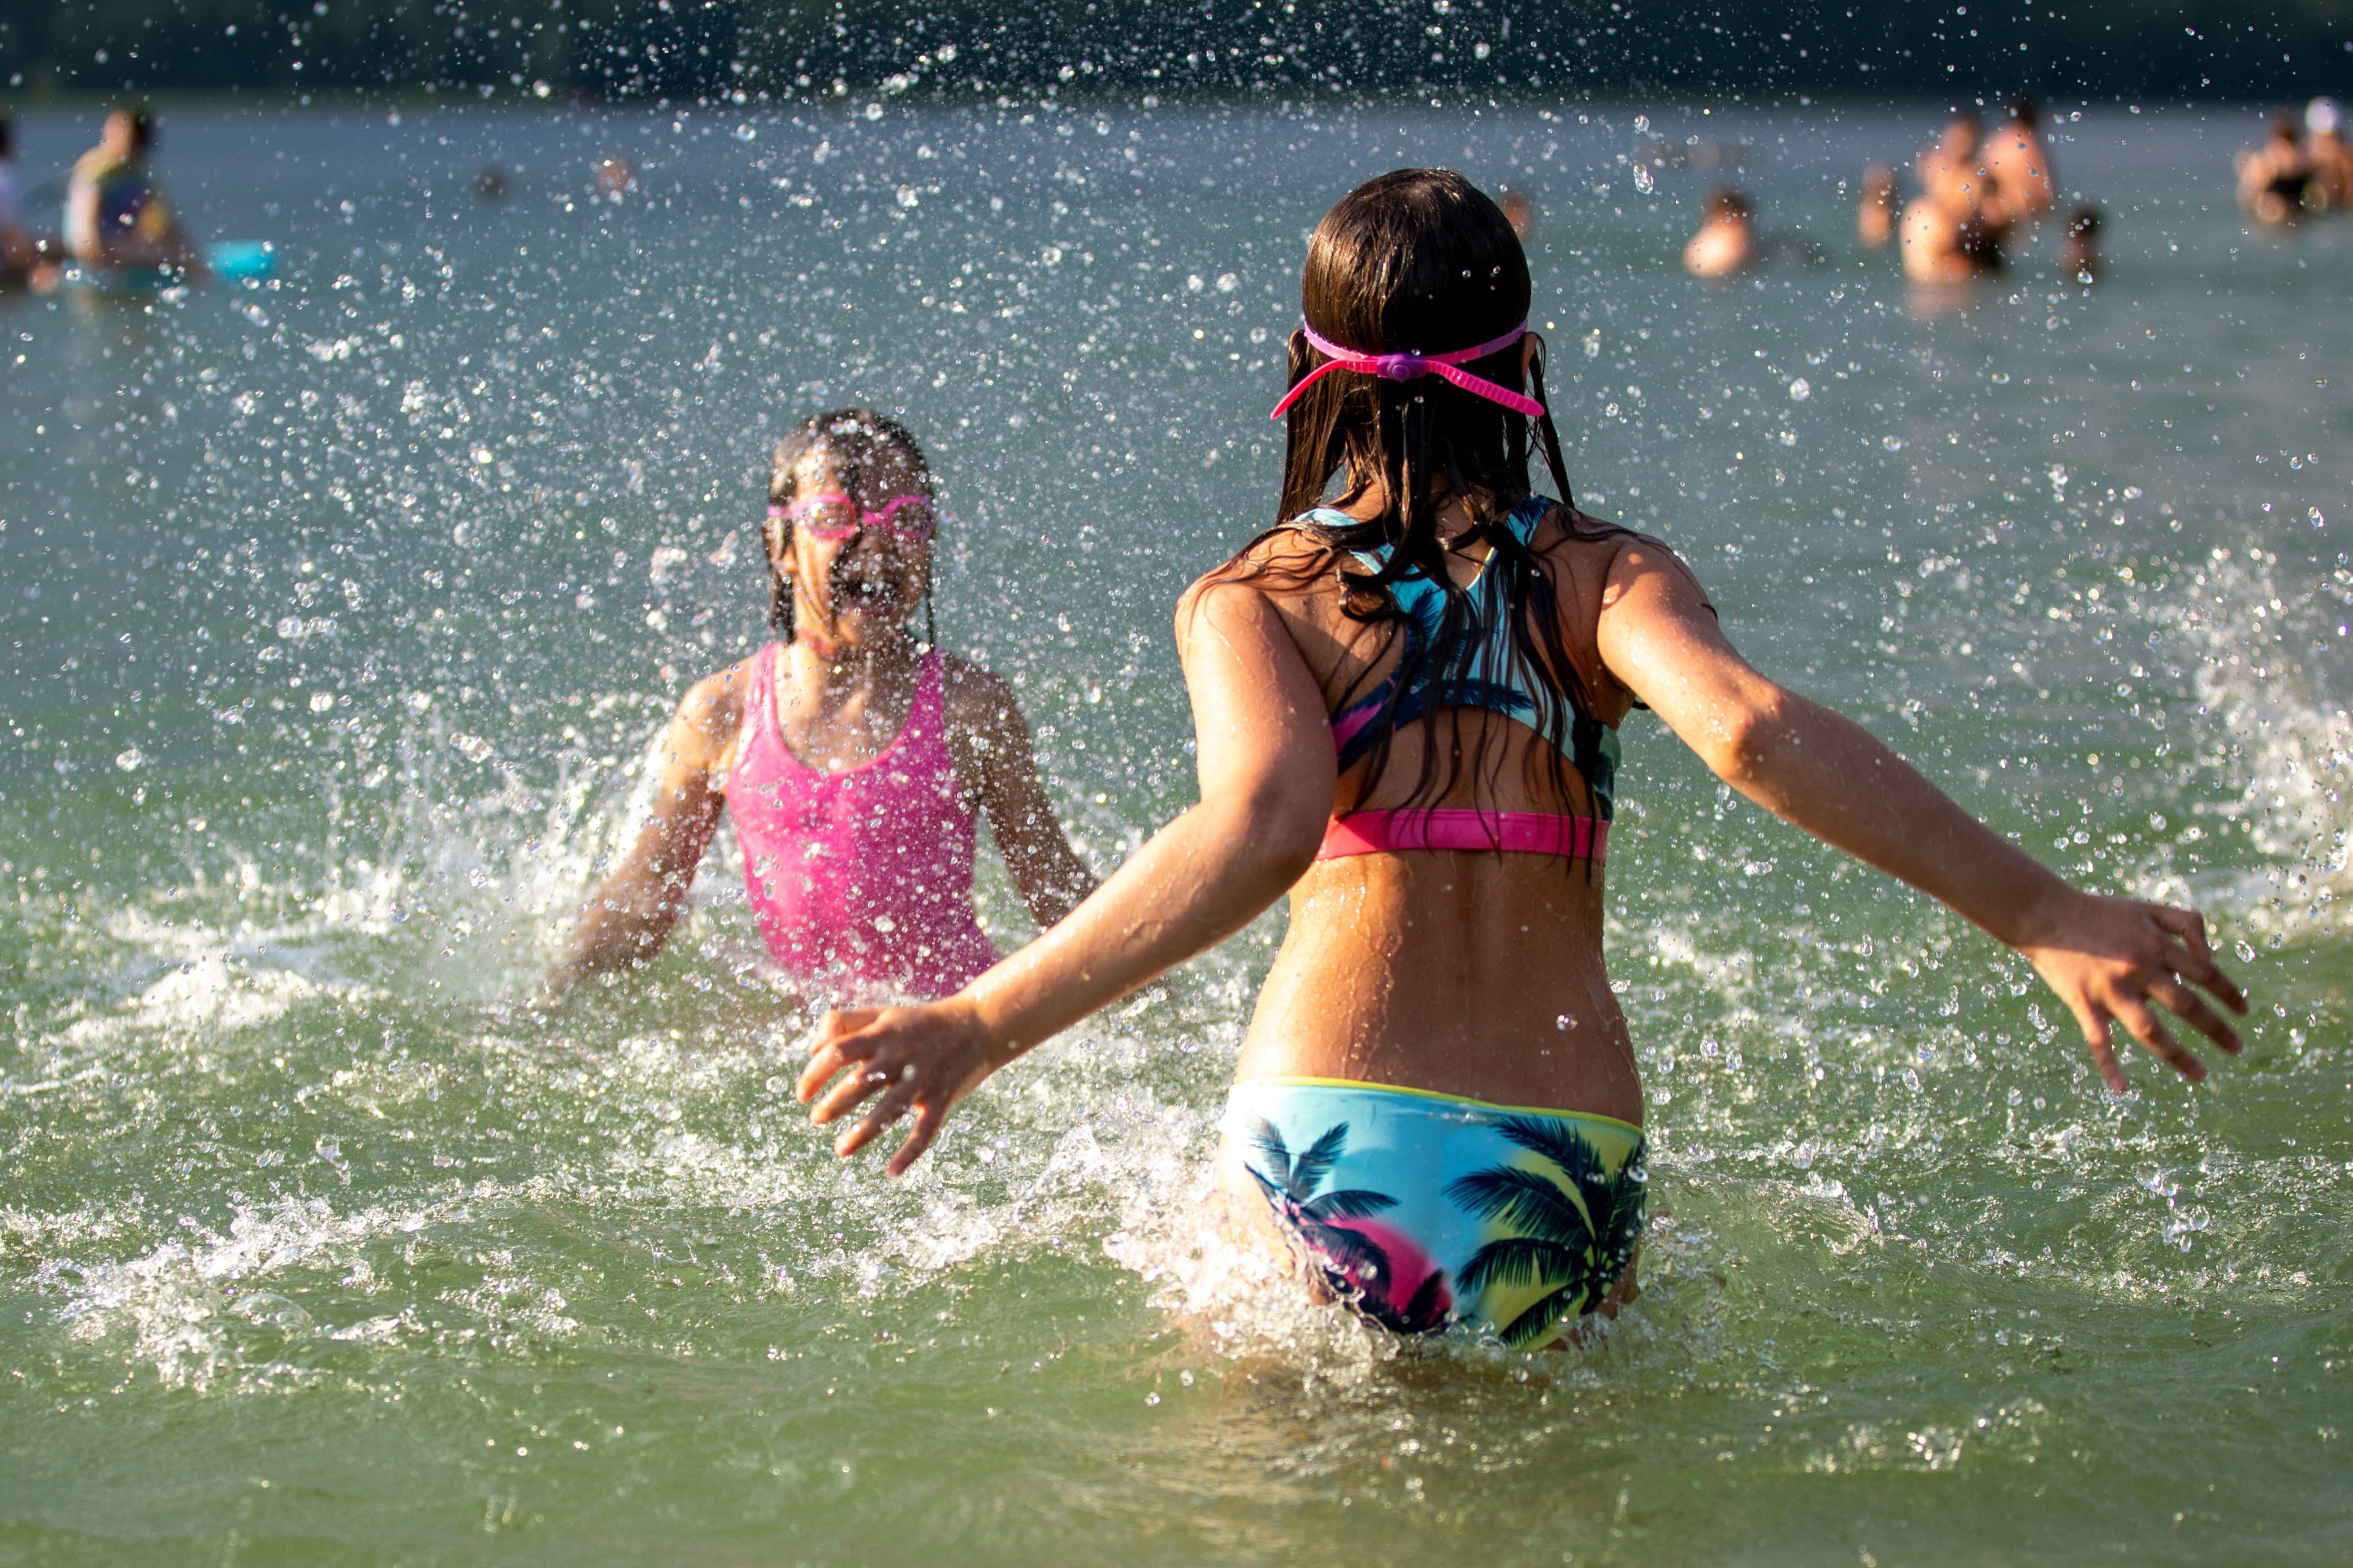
pixel 1478 673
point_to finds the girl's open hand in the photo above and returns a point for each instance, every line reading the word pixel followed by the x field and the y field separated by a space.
pixel 922 1059
pixel 2108 959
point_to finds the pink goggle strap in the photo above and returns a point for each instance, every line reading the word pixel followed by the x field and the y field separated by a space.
pixel 1408 366
pixel 888 518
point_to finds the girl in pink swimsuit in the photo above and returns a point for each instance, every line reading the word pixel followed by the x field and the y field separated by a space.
pixel 854 759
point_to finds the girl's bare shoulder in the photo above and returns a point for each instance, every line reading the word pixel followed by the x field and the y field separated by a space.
pixel 1608 554
pixel 712 708
pixel 976 698
pixel 1285 564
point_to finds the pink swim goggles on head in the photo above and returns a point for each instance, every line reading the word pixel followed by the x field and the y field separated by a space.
pixel 1409 366
pixel 908 518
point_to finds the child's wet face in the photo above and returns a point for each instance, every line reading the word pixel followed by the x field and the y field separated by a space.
pixel 867 584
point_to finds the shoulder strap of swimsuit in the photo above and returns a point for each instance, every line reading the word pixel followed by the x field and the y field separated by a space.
pixel 927 715
pixel 759 712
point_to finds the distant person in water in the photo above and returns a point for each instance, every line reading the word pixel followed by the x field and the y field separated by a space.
pixel 2325 149
pixel 2018 166
pixel 2080 262
pixel 1948 168
pixel 116 211
pixel 19 254
pixel 1520 212
pixel 614 176
pixel 1952 232
pixel 490 182
pixel 1874 215
pixel 1727 240
pixel 2276 180
pixel 854 759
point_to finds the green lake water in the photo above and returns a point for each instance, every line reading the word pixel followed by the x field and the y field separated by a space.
pixel 338 614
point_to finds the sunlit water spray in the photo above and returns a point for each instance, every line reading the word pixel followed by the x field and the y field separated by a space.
pixel 358 607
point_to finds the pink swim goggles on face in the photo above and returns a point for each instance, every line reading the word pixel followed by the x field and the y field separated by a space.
pixel 1408 366
pixel 908 518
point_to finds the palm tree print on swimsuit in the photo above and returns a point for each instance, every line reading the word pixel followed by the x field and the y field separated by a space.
pixel 1569 1242
pixel 1375 1267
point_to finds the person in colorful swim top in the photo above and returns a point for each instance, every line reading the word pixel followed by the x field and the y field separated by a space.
pixel 854 759
pixel 1406 696
pixel 116 213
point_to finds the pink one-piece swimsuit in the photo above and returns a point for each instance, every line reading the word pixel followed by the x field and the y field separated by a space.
pixel 860 881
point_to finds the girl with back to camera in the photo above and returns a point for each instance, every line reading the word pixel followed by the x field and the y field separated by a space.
pixel 1407 703
pixel 853 759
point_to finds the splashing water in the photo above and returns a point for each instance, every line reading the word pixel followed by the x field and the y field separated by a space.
pixel 344 617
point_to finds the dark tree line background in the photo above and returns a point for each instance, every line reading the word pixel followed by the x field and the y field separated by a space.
pixel 684 49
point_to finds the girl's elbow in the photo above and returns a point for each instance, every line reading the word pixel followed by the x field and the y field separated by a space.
pixel 1286 829
pixel 1743 748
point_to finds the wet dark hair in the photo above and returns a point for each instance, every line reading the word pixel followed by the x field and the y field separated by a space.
pixel 1727 201
pixel 2083 221
pixel 2024 110
pixel 142 126
pixel 1420 260
pixel 853 436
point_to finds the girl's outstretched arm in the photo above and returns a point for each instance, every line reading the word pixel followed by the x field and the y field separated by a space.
pixel 1267 772
pixel 1051 878
pixel 629 915
pixel 2107 958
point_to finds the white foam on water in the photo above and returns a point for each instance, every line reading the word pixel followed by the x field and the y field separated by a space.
pixel 2287 752
pixel 176 1307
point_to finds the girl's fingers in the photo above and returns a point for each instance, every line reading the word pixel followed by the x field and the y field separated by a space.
pixel 2136 1017
pixel 931 1115
pixel 880 1115
pixel 835 1049
pixel 2189 928
pixel 843 1097
pixel 2103 1052
pixel 843 1036
pixel 2188 925
pixel 2193 1011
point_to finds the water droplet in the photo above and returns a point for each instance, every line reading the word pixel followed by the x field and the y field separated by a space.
pixel 1801 389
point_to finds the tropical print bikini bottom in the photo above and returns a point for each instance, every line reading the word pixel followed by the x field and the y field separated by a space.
pixel 1423 1210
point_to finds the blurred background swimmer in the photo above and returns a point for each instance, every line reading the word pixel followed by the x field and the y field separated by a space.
pixel 19 254
pixel 2325 149
pixel 1952 232
pixel 1874 215
pixel 1520 212
pixel 2276 179
pixel 614 176
pixel 860 873
pixel 2018 166
pixel 117 215
pixel 1727 240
